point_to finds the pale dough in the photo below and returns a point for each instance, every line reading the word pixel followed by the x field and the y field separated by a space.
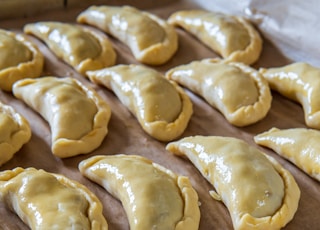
pixel 258 192
pixel 46 200
pixel 232 37
pixel 19 58
pixel 82 48
pixel 238 91
pixel 15 131
pixel 152 196
pixel 151 39
pixel 162 108
pixel 299 82
pixel 77 115
pixel 301 146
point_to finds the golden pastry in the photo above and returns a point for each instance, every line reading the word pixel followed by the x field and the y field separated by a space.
pixel 14 132
pixel 239 92
pixel 81 48
pixel 299 82
pixel 162 108
pixel 299 145
pixel 258 192
pixel 232 37
pixel 77 115
pixel 151 39
pixel 152 196
pixel 45 200
pixel 19 59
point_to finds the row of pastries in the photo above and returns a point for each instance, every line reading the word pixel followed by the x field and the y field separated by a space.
pixel 79 117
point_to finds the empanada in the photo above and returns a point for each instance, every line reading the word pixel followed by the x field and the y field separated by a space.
pixel 299 82
pixel 152 196
pixel 14 132
pixel 299 145
pixel 258 192
pixel 46 200
pixel 77 115
pixel 232 37
pixel 81 48
pixel 239 92
pixel 19 59
pixel 162 108
pixel 151 39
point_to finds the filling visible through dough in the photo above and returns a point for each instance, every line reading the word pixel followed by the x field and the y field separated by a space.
pixel 43 202
pixel 12 52
pixel 7 127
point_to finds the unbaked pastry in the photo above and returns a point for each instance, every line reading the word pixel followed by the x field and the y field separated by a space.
pixel 14 132
pixel 162 108
pixel 299 82
pixel 152 196
pixel 151 39
pixel 46 200
pixel 239 92
pixel 82 48
pixel 258 192
pixel 301 146
pixel 232 37
pixel 77 115
pixel 19 59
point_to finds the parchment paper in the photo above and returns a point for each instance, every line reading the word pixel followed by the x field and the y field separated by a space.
pixel 126 136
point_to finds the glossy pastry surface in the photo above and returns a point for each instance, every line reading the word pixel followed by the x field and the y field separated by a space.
pixel 81 48
pixel 72 206
pixel 258 192
pixel 239 92
pixel 77 115
pixel 15 131
pixel 299 82
pixel 151 39
pixel 232 37
pixel 19 59
pixel 301 146
pixel 152 196
pixel 162 108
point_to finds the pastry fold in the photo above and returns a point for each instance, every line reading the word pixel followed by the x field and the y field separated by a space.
pixel 301 146
pixel 152 196
pixel 233 37
pixel 15 131
pixel 19 59
pixel 162 108
pixel 46 200
pixel 82 48
pixel 151 39
pixel 299 82
pixel 238 91
pixel 258 192
pixel 77 115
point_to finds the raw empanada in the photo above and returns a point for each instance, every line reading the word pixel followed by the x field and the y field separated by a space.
pixel 152 196
pixel 151 39
pixel 14 132
pixel 19 59
pixel 258 192
pixel 45 200
pixel 232 37
pixel 299 145
pixel 162 108
pixel 82 48
pixel 77 115
pixel 299 82
pixel 239 92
